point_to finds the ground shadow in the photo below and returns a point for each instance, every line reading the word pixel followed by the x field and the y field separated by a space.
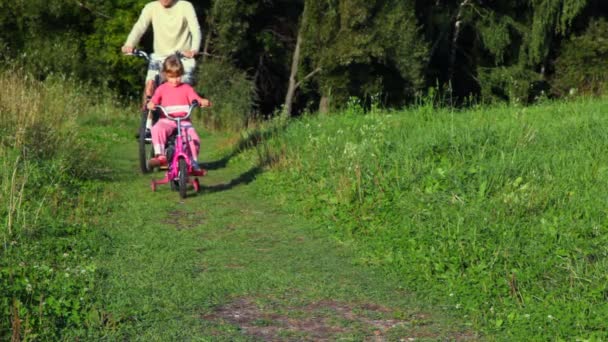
pixel 245 178
pixel 253 139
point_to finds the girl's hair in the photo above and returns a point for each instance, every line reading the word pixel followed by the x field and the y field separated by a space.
pixel 173 67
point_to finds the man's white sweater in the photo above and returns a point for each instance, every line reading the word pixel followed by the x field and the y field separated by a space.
pixel 175 28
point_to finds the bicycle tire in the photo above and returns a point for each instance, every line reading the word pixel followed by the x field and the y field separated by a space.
pixel 145 147
pixel 183 177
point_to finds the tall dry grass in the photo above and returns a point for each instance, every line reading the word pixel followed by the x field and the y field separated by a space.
pixel 45 164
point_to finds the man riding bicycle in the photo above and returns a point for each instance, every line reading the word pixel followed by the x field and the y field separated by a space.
pixel 176 29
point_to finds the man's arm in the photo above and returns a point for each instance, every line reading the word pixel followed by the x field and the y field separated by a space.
pixel 140 27
pixel 195 29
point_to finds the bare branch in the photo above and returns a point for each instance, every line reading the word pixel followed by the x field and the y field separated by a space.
pixel 81 4
pixel 311 74
pixel 281 37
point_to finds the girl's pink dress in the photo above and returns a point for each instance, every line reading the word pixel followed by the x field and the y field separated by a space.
pixel 176 100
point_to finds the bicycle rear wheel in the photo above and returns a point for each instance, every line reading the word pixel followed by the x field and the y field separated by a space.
pixel 145 145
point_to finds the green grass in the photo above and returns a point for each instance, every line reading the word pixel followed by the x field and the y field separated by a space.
pixel 425 223
pixel 178 270
pixel 91 253
pixel 499 212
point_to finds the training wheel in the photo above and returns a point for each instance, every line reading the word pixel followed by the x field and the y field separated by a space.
pixel 196 185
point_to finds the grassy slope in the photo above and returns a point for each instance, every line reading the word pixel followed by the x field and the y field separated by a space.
pixel 499 212
pixel 231 264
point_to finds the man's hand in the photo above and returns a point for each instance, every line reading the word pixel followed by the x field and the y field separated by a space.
pixel 189 54
pixel 127 49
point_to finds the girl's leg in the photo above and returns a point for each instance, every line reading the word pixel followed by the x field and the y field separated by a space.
pixel 160 132
pixel 194 141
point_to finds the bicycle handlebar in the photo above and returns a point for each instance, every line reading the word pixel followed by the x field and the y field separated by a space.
pixel 147 57
pixel 139 53
pixel 170 117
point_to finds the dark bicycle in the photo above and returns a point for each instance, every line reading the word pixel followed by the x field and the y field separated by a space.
pixel 146 151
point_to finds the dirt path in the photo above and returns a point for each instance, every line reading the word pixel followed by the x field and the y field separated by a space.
pixel 229 264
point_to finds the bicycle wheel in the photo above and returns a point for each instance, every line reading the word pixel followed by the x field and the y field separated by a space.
pixel 145 145
pixel 183 177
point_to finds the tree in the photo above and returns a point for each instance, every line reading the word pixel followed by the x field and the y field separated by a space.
pixel 371 49
pixel 501 49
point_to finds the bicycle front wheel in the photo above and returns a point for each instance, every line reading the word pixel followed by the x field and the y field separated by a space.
pixel 183 177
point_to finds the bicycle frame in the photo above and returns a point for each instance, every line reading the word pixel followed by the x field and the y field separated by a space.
pixel 182 152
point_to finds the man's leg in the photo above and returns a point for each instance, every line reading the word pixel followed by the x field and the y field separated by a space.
pixel 149 91
pixel 189 71
pixel 150 87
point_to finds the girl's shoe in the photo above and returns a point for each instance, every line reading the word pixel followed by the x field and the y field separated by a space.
pixel 196 169
pixel 199 172
pixel 158 161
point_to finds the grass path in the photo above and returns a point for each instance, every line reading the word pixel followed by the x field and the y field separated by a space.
pixel 229 264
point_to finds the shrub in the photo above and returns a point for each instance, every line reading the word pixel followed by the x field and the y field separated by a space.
pixel 513 84
pixel 583 63
pixel 232 94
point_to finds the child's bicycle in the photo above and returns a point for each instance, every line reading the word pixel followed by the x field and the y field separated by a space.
pixel 180 169
pixel 143 135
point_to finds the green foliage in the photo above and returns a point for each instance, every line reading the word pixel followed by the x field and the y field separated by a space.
pixel 582 66
pixel 231 92
pixel 107 64
pixel 369 48
pixel 467 207
pixel 387 49
pixel 58 54
pixel 496 36
pixel 512 84
pixel 550 17
pixel 231 25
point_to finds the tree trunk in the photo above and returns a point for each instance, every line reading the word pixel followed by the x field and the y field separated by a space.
pixel 454 47
pixel 324 104
pixel 291 88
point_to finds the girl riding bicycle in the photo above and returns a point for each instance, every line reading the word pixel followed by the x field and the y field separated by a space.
pixel 176 97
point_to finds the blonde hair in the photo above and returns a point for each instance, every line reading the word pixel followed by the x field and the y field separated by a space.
pixel 173 67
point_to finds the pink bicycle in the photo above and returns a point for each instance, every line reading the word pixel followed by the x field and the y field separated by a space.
pixel 180 169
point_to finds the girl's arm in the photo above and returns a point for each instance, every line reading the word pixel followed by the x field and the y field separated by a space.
pixel 155 99
pixel 192 95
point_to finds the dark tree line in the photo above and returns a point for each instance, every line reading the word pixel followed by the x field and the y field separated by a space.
pixel 315 55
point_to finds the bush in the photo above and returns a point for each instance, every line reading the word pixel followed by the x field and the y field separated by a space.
pixel 582 66
pixel 232 94
pixel 513 84
pixel 55 54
